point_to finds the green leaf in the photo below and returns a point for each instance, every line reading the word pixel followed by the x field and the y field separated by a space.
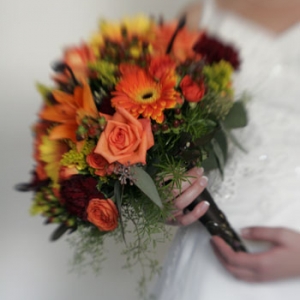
pixel 44 91
pixel 237 116
pixel 59 231
pixel 221 138
pixel 145 183
pixel 118 197
pixel 210 163
pixel 233 139
pixel 219 155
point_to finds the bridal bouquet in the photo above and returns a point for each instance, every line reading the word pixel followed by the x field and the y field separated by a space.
pixel 140 102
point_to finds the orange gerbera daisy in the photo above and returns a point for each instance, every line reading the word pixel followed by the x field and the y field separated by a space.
pixel 69 112
pixel 140 94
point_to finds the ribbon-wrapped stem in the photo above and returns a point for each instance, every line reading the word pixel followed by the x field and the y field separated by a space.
pixel 216 223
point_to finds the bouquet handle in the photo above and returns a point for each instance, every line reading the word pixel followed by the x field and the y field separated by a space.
pixel 216 223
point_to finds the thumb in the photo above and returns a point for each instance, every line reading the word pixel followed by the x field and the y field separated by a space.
pixel 274 235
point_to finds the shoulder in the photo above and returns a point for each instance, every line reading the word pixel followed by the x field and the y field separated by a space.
pixel 193 14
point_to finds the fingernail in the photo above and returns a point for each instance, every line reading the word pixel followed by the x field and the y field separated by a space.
pixel 200 171
pixel 206 203
pixel 203 206
pixel 203 181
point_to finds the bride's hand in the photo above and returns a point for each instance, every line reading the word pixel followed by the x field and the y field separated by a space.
pixel 280 262
pixel 185 195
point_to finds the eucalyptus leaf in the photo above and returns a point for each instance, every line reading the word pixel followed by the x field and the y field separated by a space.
pixel 118 198
pixel 233 139
pixel 219 155
pixel 145 183
pixel 58 232
pixel 221 138
pixel 210 163
pixel 237 116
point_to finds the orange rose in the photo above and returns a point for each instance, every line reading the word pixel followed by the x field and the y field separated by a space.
pixel 103 214
pixel 125 138
pixel 192 91
pixel 100 164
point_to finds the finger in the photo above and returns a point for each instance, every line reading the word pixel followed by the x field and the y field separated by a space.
pixel 189 195
pixel 237 272
pixel 276 235
pixel 172 221
pixel 236 259
pixel 191 217
pixel 192 176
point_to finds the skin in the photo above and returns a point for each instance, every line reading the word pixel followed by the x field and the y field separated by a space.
pixel 278 263
pixel 185 195
pixel 275 16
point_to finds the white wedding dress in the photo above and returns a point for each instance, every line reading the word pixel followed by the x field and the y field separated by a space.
pixel 261 187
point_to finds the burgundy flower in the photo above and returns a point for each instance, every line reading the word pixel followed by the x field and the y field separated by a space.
pixel 77 192
pixel 105 106
pixel 213 50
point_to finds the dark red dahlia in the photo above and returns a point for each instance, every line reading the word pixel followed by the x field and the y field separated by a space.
pixel 213 50
pixel 76 193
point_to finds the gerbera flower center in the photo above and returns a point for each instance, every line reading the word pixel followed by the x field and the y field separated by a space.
pixel 147 96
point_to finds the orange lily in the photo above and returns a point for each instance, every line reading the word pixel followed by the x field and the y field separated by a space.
pixel 69 112
pixel 183 44
pixel 77 58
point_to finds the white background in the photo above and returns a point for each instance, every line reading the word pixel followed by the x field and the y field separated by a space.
pixel 32 35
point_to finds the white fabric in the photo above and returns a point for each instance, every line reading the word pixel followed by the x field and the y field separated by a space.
pixel 261 187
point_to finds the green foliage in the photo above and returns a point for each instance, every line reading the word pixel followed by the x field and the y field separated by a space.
pixel 105 71
pixel 145 183
pixel 44 91
pixel 218 77
pixel 118 196
pixel 143 228
pixel 88 246
pixel 145 223
pixel 48 205
pixel 237 116
pixel 75 158
pixel 197 122
pixel 172 173
pixel 216 106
